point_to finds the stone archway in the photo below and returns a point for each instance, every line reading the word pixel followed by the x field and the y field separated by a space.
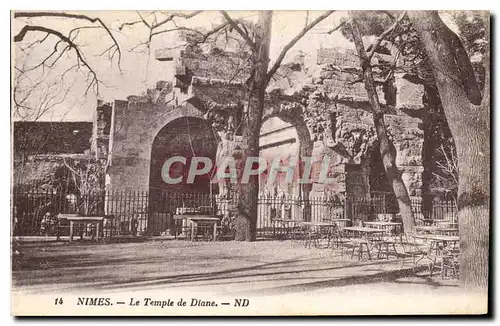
pixel 381 191
pixel 291 113
pixel 279 140
pixel 291 117
pixel 186 137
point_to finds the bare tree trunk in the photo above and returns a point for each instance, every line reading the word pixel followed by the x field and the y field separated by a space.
pixel 246 220
pixel 470 127
pixel 387 149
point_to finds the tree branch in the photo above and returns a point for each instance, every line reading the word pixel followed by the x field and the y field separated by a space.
pixel 456 66
pixel 92 20
pixel 384 35
pixel 33 28
pixel 287 47
pixel 204 36
pixel 174 15
pixel 238 29
pixel 336 28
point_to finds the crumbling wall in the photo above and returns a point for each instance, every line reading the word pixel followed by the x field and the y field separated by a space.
pixel 206 63
pixel 341 125
pixel 136 124
pixel 327 104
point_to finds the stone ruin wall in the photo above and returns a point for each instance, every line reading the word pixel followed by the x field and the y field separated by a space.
pixel 350 137
pixel 325 91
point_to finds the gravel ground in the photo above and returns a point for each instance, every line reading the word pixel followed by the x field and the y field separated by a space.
pixel 264 267
pixel 302 280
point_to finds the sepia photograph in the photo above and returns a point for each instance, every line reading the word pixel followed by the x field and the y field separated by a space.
pixel 250 163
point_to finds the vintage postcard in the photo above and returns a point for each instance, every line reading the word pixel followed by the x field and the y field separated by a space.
pixel 251 163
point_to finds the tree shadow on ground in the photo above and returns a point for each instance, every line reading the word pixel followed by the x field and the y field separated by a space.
pixel 393 276
pixel 85 267
pixel 226 276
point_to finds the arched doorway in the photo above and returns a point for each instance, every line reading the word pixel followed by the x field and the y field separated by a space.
pixel 186 137
pixel 367 187
pixel 289 141
pixel 279 139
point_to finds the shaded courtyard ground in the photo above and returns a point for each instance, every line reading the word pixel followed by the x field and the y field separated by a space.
pixel 284 273
pixel 265 267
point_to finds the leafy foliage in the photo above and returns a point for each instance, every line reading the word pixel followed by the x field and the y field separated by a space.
pixel 472 32
pixel 371 23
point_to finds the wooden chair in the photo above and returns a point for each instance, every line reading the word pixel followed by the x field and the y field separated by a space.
pixel 386 246
pixel 384 217
pixel 203 231
pixel 206 210
pixel 278 226
pixel 298 232
pixel 450 262
pixel 358 247
pixel 344 243
pixel 417 251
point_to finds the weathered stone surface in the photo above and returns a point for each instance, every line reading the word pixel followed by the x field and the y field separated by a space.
pixel 408 95
pixel 213 64
pixel 325 102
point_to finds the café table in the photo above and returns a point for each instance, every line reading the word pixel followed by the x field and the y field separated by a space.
pixel 446 224
pixel 197 219
pixel 341 222
pixel 386 226
pixel 192 221
pixel 363 230
pixel 426 228
pixel 96 221
pixel 368 237
pixel 438 238
pixel 316 227
pixel 436 229
pixel 318 224
pixel 286 224
pixel 447 231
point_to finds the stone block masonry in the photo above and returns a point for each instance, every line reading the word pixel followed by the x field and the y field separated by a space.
pixel 328 108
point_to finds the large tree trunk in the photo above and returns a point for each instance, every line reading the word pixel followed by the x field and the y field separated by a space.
pixel 436 134
pixel 246 220
pixel 470 127
pixel 387 149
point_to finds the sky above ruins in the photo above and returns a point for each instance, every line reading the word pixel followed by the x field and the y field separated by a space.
pixel 139 69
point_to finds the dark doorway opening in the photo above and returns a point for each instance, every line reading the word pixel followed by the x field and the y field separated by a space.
pixel 381 193
pixel 187 138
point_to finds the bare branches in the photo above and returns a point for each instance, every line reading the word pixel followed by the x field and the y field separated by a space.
pixel 170 18
pixel 92 20
pixel 384 35
pixel 364 62
pixel 157 26
pixel 234 25
pixel 48 96
pixel 336 28
pixel 66 41
pixel 80 58
pixel 32 44
pixel 174 15
pixel 204 36
pixel 450 164
pixel 287 47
